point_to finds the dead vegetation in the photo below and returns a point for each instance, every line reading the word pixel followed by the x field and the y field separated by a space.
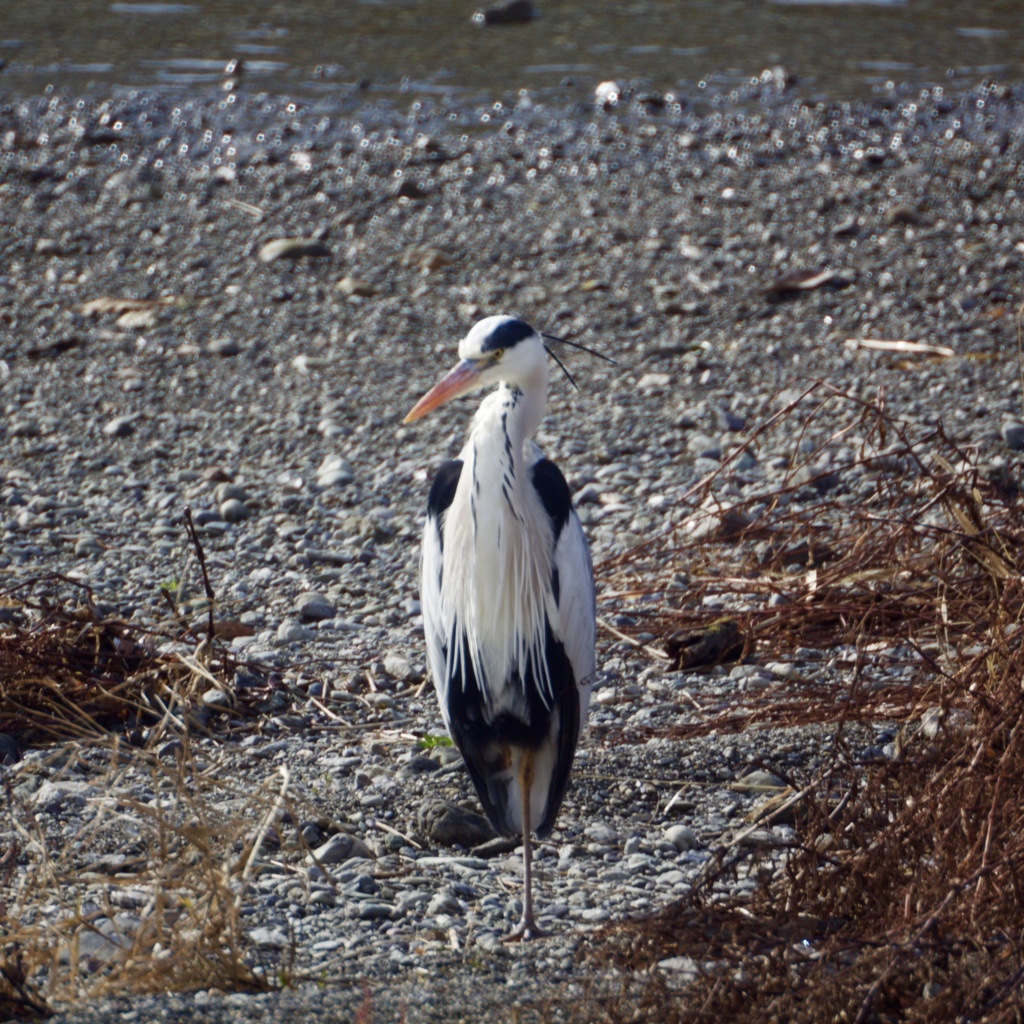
pixel 80 922
pixel 900 896
pixel 76 920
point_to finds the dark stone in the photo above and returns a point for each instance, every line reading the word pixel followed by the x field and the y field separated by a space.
pixel 447 825
pixel 511 12
pixel 10 752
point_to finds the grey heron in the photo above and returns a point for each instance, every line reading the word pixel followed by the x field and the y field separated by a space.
pixel 507 593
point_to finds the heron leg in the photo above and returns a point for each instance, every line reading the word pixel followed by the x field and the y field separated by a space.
pixel 527 928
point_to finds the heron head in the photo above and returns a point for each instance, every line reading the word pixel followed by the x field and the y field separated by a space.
pixel 499 348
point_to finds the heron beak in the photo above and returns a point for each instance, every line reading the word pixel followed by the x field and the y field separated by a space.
pixel 456 382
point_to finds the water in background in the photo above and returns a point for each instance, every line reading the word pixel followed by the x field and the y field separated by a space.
pixel 308 48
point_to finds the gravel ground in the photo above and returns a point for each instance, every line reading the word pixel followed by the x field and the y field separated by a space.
pixel 262 382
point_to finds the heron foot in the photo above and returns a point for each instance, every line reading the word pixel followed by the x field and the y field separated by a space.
pixel 526 931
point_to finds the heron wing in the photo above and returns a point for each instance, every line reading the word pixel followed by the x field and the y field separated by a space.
pixel 436 631
pixel 572 623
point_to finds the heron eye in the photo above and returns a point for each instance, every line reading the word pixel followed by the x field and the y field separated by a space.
pixel 497 354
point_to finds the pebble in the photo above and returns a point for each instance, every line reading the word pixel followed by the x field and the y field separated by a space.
pixel 269 938
pixel 292 249
pixel 234 511
pixel 224 347
pixel 599 832
pixel 682 838
pixel 338 849
pixel 226 491
pixel 121 426
pixel 334 471
pixel 443 902
pixel 315 607
pixel 1013 434
pixel 762 778
pixel 290 631
pixel 88 546
pixel 54 797
pixel 399 667
pixel 372 911
pixel 352 286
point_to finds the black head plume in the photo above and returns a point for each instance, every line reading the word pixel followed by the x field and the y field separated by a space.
pixel 571 344
pixel 582 348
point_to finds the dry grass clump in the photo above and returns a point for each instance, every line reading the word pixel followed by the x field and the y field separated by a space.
pixel 165 913
pixel 900 898
pixel 80 922
pixel 72 674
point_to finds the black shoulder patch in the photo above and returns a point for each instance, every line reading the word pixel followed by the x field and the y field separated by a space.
pixel 507 334
pixel 553 492
pixel 442 490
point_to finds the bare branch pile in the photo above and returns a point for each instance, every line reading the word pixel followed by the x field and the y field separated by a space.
pixel 900 898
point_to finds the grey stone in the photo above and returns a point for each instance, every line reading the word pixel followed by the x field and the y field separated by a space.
pixel 448 825
pixel 335 471
pixel 53 797
pixel 398 667
pixel 224 347
pixel 269 938
pixel 328 557
pixel 292 249
pixel 1013 435
pixel 86 547
pixel 121 426
pixel 599 832
pixel 682 838
pixel 217 698
pixel 234 511
pixel 762 778
pixel 291 631
pixel 315 607
pixel 444 902
pixel 372 910
pixel 340 848
pixel 223 492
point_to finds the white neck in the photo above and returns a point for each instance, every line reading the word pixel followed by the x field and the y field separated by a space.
pixel 497 533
